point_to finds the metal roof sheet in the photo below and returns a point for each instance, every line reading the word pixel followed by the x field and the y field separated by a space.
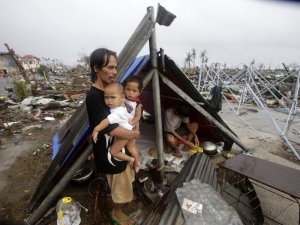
pixel 168 211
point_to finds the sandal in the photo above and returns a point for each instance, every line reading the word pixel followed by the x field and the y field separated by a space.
pixel 119 221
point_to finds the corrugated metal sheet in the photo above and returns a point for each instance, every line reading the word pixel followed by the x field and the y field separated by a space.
pixel 167 211
pixel 136 42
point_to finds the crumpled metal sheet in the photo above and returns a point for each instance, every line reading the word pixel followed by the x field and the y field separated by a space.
pixel 168 211
pixel 202 205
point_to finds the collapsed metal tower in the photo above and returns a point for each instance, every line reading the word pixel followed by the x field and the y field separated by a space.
pixel 253 85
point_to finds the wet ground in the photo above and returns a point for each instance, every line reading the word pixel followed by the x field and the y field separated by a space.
pixel 23 159
pixel 25 155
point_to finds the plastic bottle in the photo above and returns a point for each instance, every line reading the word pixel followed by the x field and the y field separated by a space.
pixel 68 212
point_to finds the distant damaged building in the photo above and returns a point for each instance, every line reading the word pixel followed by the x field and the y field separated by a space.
pixel 30 62
pixel 7 65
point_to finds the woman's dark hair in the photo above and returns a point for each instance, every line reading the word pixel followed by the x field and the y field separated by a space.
pixel 100 58
pixel 135 79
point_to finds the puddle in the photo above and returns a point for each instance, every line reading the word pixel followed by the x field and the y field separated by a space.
pixel 12 148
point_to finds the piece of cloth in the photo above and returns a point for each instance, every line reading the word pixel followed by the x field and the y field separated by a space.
pixel 164 17
pixel 97 111
pixel 121 116
pixel 173 121
pixel 121 185
pixel 131 106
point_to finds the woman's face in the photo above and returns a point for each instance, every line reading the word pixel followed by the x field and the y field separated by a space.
pixel 107 74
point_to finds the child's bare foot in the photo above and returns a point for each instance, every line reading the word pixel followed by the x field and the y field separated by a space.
pixel 136 166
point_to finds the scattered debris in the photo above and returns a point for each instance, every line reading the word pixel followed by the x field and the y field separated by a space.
pixel 7 125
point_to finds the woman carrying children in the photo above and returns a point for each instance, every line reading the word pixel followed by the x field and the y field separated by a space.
pixel 103 64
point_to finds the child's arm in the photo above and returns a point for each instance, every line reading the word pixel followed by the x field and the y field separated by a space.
pixel 103 124
pixel 137 115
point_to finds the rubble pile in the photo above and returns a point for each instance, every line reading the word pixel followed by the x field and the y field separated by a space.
pixel 51 101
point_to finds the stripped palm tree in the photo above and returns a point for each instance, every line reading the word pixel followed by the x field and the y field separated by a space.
pixel 188 60
pixel 203 57
pixel 193 56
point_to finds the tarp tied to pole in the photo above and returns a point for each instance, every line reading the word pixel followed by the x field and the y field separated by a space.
pixel 164 17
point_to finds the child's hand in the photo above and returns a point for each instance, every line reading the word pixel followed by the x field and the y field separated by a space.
pixel 95 136
pixel 190 144
pixel 197 142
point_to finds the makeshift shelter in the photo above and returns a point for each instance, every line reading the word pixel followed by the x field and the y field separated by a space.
pixel 70 141
pixel 171 97
pixel 170 86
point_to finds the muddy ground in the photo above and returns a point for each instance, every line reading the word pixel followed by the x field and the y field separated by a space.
pixel 21 175
pixel 25 155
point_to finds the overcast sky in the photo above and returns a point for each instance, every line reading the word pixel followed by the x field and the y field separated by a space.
pixel 231 31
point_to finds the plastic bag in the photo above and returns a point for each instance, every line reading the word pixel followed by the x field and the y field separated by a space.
pixel 68 212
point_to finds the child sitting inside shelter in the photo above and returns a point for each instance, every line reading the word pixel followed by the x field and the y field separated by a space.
pixel 177 126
